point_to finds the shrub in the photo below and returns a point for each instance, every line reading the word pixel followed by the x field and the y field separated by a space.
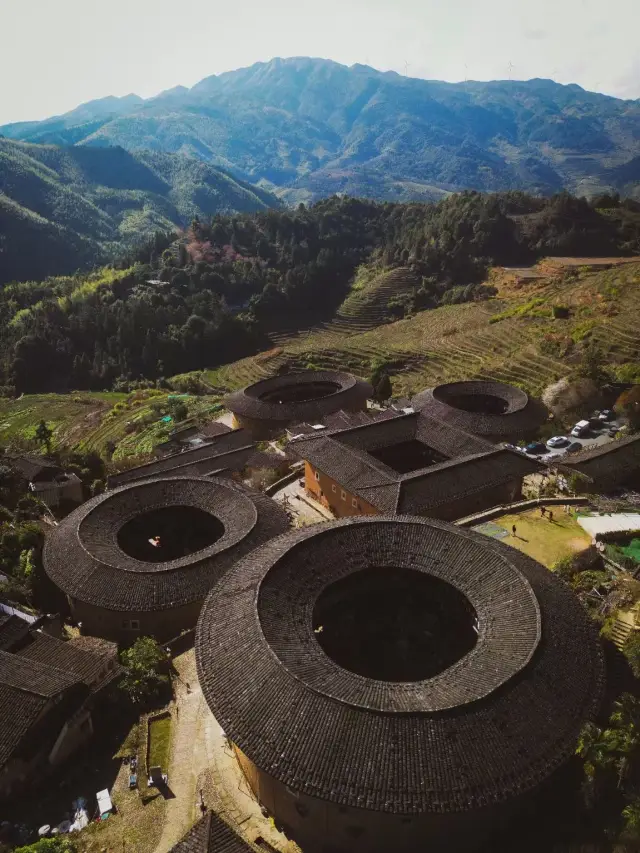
pixel 631 650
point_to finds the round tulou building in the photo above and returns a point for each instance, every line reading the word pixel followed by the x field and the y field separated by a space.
pixel 393 683
pixel 494 410
pixel 266 408
pixel 139 560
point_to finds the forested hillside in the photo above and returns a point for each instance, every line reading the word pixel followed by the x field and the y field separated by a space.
pixel 221 292
pixel 65 208
pixel 310 127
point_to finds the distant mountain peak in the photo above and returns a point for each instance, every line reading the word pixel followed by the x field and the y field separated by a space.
pixel 308 127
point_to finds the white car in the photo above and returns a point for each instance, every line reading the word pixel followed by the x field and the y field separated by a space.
pixel 580 428
pixel 558 441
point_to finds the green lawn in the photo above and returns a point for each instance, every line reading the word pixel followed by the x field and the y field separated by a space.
pixel 544 540
pixel 160 742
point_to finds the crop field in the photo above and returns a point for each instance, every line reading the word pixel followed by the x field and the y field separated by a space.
pixel 515 337
pixel 529 334
pixel 89 421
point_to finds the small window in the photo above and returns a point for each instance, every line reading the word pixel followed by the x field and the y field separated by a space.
pixel 317 476
pixel 333 487
pixel 354 503
pixel 135 625
pixel 343 495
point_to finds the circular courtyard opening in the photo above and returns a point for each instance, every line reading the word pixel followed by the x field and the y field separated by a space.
pixel 169 533
pixel 394 624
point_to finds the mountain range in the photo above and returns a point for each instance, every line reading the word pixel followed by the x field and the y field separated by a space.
pixel 304 128
pixel 71 206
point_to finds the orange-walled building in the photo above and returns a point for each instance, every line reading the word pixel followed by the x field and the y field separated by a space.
pixel 331 494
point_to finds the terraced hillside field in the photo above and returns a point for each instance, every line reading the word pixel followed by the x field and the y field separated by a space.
pixel 89 421
pixel 529 335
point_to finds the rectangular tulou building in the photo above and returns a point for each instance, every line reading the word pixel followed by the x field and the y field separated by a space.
pixel 411 464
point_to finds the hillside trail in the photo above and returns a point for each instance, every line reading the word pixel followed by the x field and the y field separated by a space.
pixel 188 753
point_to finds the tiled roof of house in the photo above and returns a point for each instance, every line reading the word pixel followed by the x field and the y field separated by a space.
pixel 83 661
pixel 522 414
pixel 39 669
pixel 259 401
pixel 485 729
pixel 83 558
pixel 215 451
pixel 11 629
pixel 32 467
pixel 212 835
pixel 617 459
pixel 26 688
pixel 472 464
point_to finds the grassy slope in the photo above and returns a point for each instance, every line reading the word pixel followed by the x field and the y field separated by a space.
pixel 523 344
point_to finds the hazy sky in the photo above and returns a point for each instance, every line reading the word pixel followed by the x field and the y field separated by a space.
pixel 56 54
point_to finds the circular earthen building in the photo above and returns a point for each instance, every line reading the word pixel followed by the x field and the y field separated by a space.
pixel 393 683
pixel 494 410
pixel 139 560
pixel 268 407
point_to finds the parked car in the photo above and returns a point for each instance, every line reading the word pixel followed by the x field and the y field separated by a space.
pixel 613 431
pixel 535 447
pixel 581 428
pixel 558 441
pixel 574 447
pixel 133 781
pixel 606 415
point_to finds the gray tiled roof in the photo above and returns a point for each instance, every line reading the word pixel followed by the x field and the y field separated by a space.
pixel 523 414
pixel 212 835
pixel 472 466
pixel 84 560
pixel 350 393
pixel 11 629
pixel 84 663
pixel 26 689
pixel 39 670
pixel 493 725
pixel 220 446
pixel 616 460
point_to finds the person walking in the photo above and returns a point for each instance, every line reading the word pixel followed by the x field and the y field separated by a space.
pixel 513 530
pixel 550 515
pixel 542 510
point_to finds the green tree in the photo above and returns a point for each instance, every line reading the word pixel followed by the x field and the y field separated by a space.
pixel 383 389
pixel 593 363
pixel 44 434
pixel 142 679
pixel 628 406
pixel 97 487
pixel 178 410
pixel 632 652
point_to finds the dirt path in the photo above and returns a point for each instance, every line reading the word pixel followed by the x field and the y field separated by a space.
pixel 188 754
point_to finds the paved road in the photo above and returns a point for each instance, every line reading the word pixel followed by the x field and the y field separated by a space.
pixel 202 759
pixel 188 755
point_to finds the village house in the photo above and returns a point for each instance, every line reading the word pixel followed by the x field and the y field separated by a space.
pixel 48 480
pixel 48 688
